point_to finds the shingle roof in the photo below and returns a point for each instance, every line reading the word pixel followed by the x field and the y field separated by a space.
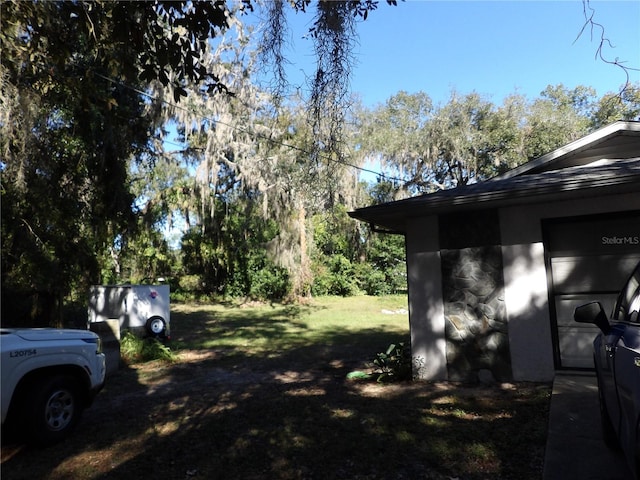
pixel 617 140
pixel 545 179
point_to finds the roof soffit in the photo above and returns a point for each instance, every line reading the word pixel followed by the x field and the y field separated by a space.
pixel 604 178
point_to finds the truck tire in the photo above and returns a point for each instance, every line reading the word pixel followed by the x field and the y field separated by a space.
pixel 53 409
pixel 156 326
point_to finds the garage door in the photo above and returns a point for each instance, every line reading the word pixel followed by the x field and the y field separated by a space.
pixel 589 259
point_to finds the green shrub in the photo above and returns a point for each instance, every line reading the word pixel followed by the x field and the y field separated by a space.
pixel 134 349
pixel 394 364
pixel 334 276
pixel 270 283
pixel 190 283
pixel 372 281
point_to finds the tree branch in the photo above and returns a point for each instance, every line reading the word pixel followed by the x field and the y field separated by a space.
pixel 589 14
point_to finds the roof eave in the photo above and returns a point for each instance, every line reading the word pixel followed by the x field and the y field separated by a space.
pixel 396 216
pixel 589 141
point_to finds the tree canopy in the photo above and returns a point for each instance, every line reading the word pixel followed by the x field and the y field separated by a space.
pixel 468 139
pixel 260 183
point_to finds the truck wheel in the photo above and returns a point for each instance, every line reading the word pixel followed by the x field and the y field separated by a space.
pixel 156 326
pixel 53 409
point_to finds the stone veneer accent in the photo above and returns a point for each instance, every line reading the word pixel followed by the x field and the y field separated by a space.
pixel 476 336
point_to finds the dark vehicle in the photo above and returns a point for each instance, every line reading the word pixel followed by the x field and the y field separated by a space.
pixel 617 364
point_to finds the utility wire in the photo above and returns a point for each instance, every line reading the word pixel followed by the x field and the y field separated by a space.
pixel 234 127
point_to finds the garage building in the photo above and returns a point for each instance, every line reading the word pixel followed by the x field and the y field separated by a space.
pixel 496 268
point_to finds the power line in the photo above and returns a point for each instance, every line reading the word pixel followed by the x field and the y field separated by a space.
pixel 234 127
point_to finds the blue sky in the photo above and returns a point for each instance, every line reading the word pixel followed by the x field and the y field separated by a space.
pixel 493 48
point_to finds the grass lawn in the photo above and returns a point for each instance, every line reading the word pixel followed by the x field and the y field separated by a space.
pixel 261 392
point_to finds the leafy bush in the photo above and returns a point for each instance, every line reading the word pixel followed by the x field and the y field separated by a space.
pixel 394 364
pixel 190 283
pixel 267 280
pixel 335 277
pixel 372 281
pixel 134 349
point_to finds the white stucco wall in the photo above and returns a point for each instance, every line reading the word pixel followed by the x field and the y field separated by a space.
pixel 526 302
pixel 525 276
pixel 426 309
pixel 526 290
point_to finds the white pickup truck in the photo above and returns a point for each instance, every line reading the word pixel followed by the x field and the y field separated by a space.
pixel 49 376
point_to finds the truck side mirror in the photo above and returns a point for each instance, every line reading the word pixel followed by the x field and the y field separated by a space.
pixel 593 313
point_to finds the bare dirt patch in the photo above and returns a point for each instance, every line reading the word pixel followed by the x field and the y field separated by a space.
pixel 196 419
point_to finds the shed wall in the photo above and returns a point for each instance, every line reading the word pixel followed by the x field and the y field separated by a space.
pixel 526 293
pixel 426 307
pixel 526 278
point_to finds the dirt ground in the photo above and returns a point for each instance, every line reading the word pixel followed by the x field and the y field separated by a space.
pixel 211 416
